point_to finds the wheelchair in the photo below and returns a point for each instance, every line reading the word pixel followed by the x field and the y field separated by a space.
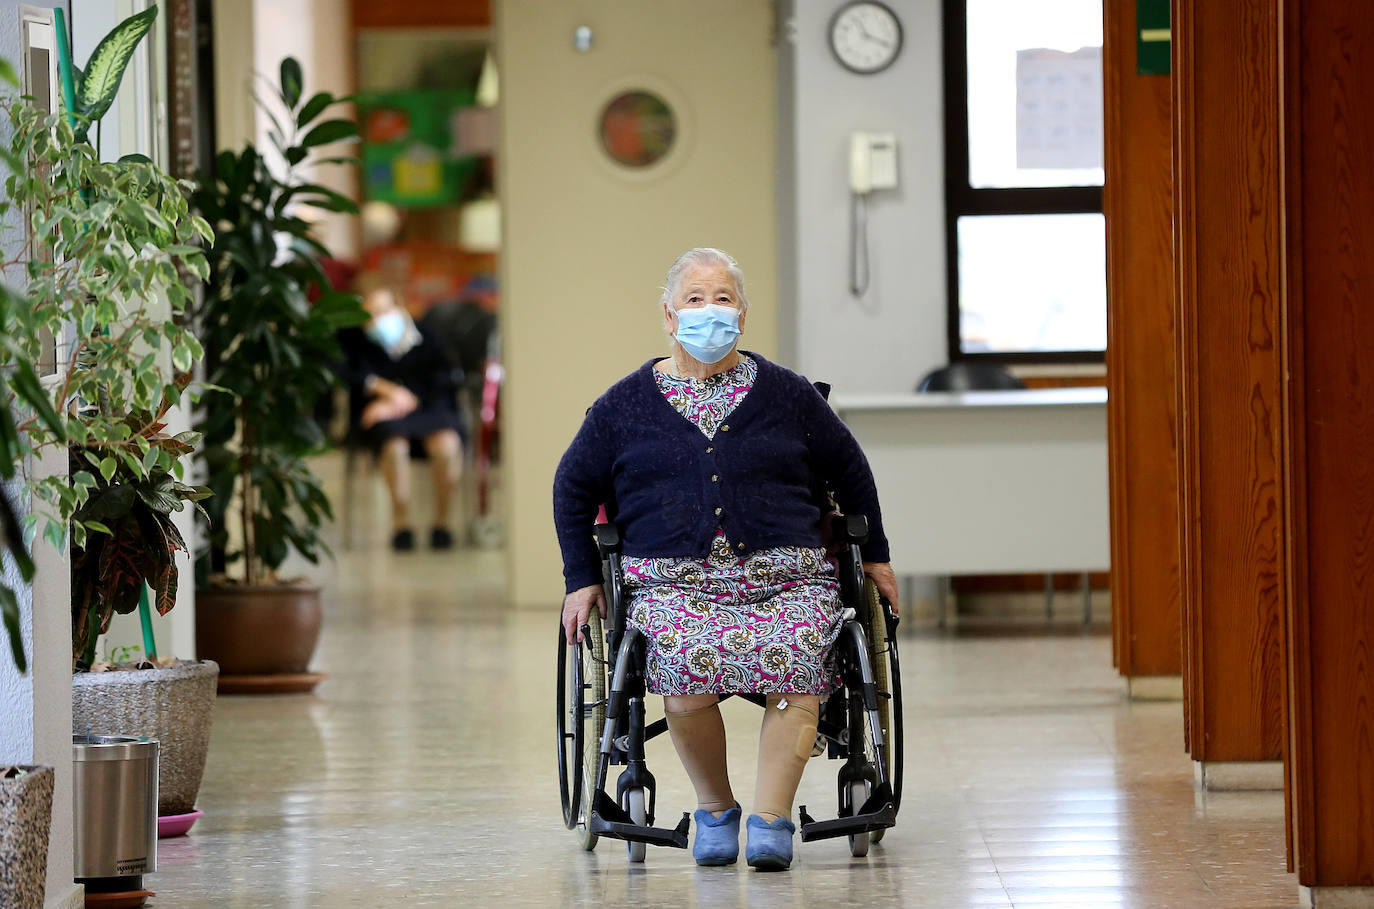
pixel 601 716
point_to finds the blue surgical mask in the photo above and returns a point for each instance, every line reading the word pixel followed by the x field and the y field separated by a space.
pixel 708 332
pixel 387 329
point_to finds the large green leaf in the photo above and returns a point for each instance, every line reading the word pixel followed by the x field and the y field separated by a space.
pixel 12 538
pixel 292 81
pixel 9 612
pixel 330 131
pixel 105 70
pixel 121 567
pixel 313 108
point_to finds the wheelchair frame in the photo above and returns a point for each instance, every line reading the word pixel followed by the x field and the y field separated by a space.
pixel 851 724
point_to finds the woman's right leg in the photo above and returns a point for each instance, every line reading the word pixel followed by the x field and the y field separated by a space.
pixel 395 458
pixel 698 734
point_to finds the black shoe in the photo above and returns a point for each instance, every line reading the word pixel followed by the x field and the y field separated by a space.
pixel 403 540
pixel 440 538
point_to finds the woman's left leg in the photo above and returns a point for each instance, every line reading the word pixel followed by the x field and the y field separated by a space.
pixel 445 450
pixel 786 739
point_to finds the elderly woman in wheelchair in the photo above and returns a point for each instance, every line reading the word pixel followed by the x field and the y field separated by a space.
pixel 713 464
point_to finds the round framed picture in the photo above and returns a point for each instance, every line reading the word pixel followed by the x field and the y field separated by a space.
pixel 637 129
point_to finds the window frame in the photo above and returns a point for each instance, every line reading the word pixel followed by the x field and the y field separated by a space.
pixel 962 199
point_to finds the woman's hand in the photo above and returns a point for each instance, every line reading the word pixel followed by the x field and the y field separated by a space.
pixel 577 608
pixel 884 580
pixel 390 402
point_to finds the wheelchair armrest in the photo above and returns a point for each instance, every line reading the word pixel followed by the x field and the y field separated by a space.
pixel 607 538
pixel 849 528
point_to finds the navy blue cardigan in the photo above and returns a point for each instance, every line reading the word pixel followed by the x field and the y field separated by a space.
pixel 669 487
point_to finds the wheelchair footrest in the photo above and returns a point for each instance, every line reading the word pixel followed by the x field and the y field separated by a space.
pixel 878 813
pixel 610 820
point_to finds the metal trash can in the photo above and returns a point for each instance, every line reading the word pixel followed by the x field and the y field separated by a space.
pixel 115 808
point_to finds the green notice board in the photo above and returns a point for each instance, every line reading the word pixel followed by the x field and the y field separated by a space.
pixel 1152 37
pixel 409 150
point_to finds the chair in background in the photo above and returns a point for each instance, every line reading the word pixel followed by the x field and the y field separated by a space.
pixel 969 376
pixel 966 375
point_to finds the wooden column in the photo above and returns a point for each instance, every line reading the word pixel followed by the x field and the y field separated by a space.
pixel 1142 403
pixel 1329 338
pixel 1228 268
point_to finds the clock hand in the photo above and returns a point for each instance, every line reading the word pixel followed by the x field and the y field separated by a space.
pixel 870 36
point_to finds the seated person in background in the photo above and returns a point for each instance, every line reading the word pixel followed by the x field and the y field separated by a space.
pixel 404 392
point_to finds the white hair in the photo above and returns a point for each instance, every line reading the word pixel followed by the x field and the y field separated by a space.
pixel 704 255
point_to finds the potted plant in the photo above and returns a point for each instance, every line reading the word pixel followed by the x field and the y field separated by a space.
pixel 102 251
pixel 273 353
pixel 169 700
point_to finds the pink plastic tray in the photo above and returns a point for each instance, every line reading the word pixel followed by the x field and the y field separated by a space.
pixel 177 824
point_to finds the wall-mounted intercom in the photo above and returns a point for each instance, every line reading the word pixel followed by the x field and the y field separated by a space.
pixel 872 162
pixel 872 166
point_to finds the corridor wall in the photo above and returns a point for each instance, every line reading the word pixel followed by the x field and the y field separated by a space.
pixel 587 243
pixel 887 339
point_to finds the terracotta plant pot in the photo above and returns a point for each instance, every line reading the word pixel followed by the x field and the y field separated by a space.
pixel 258 631
pixel 25 815
pixel 173 705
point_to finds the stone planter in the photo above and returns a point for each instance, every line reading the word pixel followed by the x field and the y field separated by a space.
pixel 25 815
pixel 175 706
pixel 262 637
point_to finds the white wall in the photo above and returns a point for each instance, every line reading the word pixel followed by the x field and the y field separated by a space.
pixel 895 333
pixel 36 708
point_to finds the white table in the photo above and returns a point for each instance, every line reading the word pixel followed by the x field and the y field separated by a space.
pixel 989 482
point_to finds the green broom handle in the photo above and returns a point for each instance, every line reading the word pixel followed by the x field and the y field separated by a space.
pixel 64 66
pixel 145 617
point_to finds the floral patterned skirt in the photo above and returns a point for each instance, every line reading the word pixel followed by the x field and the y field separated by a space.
pixel 765 623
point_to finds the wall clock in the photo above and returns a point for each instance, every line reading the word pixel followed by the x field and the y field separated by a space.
pixel 865 36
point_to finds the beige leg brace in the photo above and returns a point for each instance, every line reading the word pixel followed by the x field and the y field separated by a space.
pixel 785 742
pixel 699 737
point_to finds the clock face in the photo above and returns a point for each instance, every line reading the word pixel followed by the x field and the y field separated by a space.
pixel 866 36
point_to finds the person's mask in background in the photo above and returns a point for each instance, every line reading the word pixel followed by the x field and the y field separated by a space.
pixel 708 332
pixel 387 329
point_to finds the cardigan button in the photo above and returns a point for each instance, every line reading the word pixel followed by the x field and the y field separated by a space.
pixel 725 427
pixel 709 449
pixel 715 478
pixel 717 511
pixel 739 545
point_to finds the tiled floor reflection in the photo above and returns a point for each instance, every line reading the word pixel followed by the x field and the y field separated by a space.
pixel 422 774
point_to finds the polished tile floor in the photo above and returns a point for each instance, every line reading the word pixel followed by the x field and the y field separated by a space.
pixel 421 773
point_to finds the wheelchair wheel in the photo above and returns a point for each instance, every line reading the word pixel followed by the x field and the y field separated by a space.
pixel 887 676
pixel 635 805
pixel 855 794
pixel 581 718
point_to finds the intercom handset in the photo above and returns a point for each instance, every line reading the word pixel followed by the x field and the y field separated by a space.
pixel 872 162
pixel 872 165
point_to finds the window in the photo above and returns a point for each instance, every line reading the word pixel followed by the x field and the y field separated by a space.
pixel 1023 180
pixel 38 78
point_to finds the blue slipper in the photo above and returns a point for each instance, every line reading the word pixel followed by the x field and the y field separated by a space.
pixel 770 845
pixel 717 840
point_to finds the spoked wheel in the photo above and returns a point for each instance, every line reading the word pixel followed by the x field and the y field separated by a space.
pixel 887 677
pixel 581 718
pixel 635 805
